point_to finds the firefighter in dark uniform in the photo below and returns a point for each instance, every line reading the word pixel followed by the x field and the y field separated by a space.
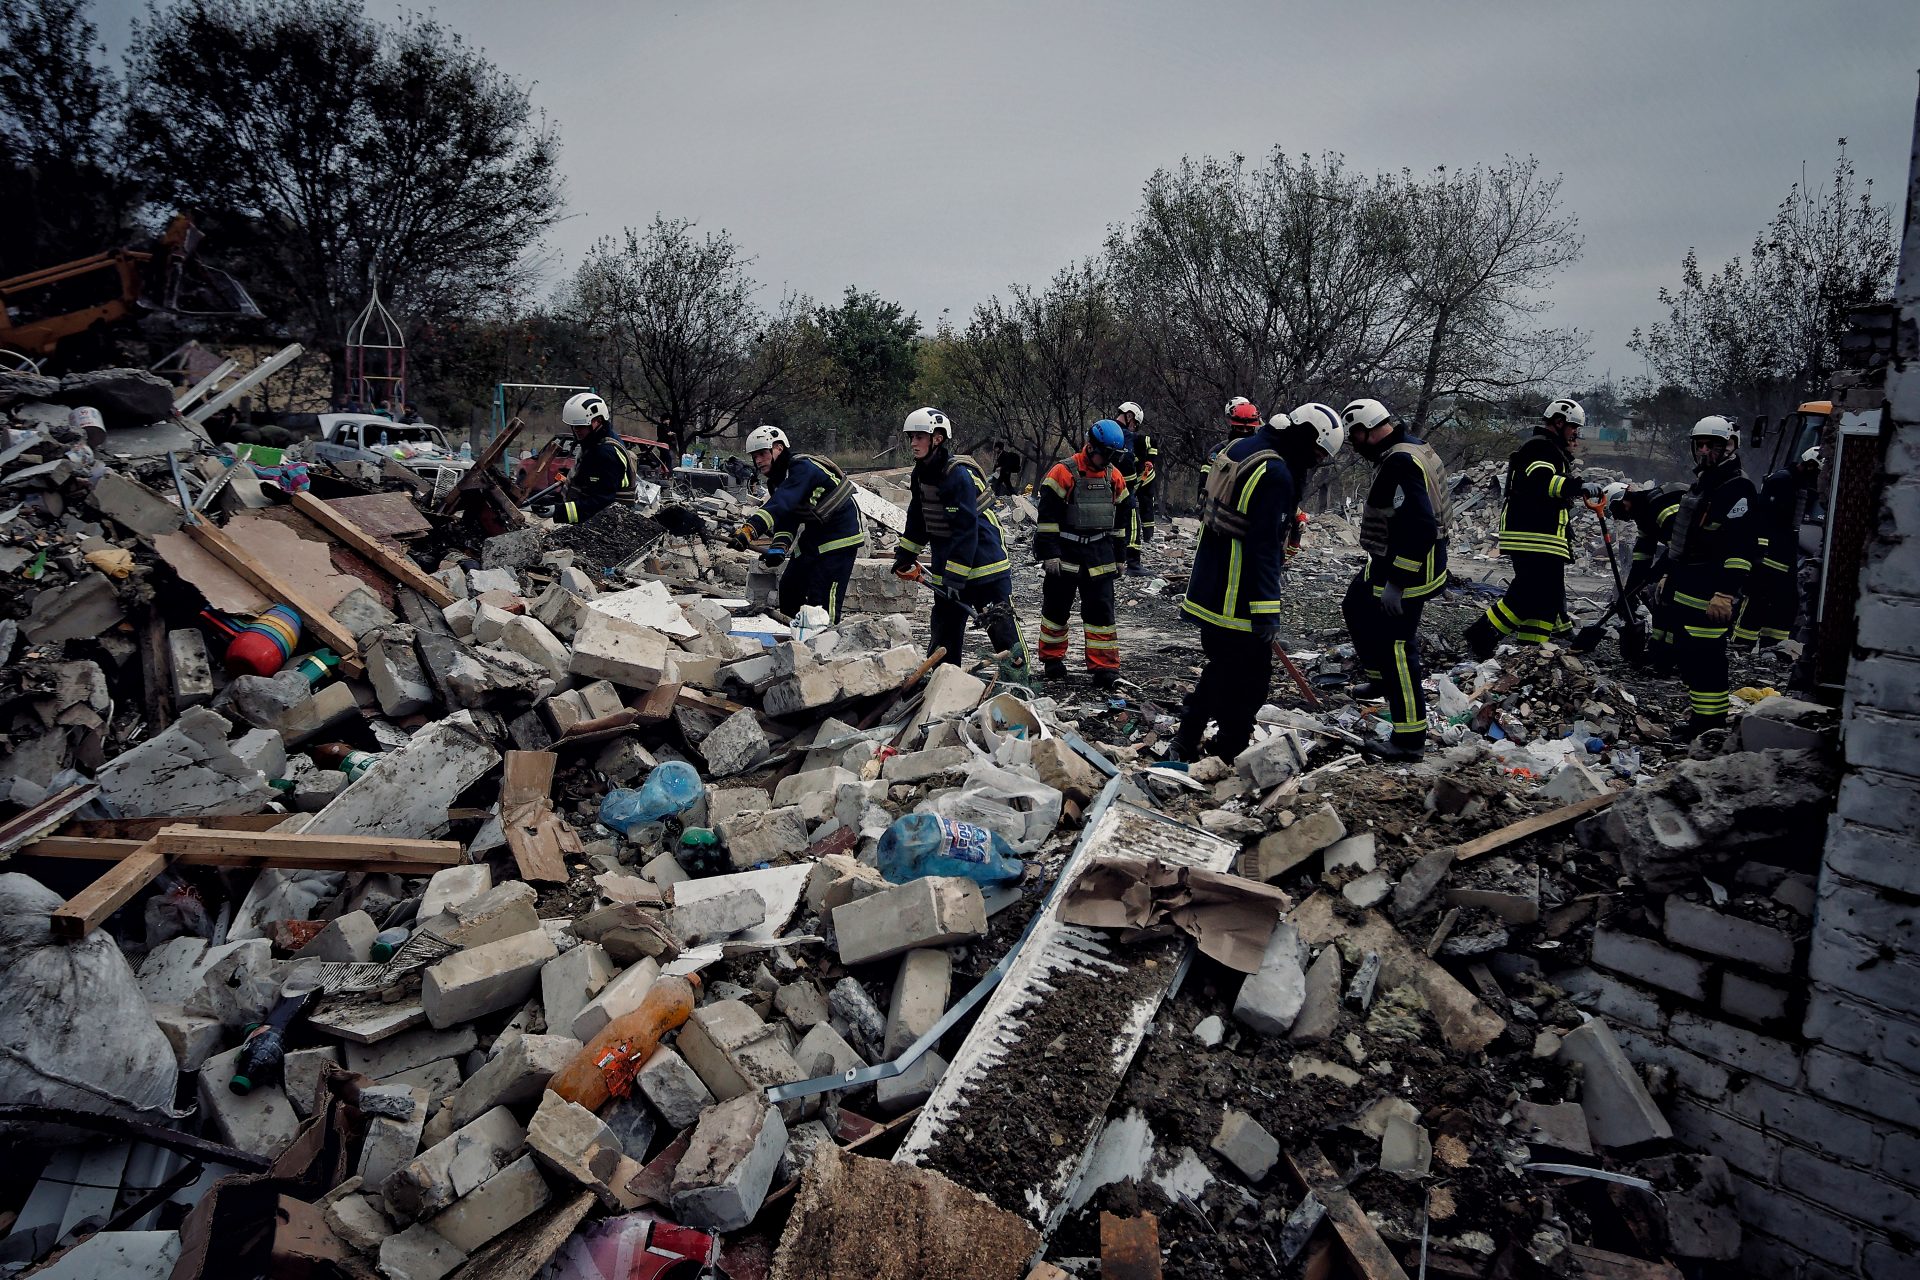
pixel 1540 489
pixel 1403 530
pixel 1086 511
pixel 602 474
pixel 1773 594
pixel 811 522
pixel 1708 561
pixel 950 516
pixel 1233 591
pixel 1650 508
pixel 1139 463
pixel 1243 419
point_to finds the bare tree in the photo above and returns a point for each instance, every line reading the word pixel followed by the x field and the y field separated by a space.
pixel 678 336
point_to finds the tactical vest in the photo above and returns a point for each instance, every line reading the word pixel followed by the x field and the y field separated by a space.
pixel 1217 507
pixel 824 506
pixel 1374 520
pixel 933 503
pixel 1093 506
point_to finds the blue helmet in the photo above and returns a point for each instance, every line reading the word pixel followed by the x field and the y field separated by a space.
pixel 1107 435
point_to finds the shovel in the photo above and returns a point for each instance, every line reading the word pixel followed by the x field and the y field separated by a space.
pixel 1631 640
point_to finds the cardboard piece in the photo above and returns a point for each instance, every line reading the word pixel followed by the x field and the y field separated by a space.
pixel 1230 917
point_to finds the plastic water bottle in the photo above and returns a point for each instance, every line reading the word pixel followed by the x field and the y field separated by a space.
pixel 605 1068
pixel 672 788
pixel 923 844
pixel 388 941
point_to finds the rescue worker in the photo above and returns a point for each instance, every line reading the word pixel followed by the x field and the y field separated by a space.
pixel 1708 560
pixel 1650 508
pixel 1243 419
pixel 1139 463
pixel 602 472
pixel 1772 605
pixel 1233 593
pixel 1403 529
pixel 810 522
pixel 950 516
pixel 1086 511
pixel 1533 534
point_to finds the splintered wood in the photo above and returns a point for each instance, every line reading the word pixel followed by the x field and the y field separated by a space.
pixel 541 842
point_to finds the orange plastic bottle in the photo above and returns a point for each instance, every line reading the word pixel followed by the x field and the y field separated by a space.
pixel 604 1070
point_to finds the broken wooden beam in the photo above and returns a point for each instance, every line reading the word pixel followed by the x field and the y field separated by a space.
pixel 277 589
pixel 1533 826
pixel 291 849
pixel 393 564
pixel 1359 1240
pixel 84 911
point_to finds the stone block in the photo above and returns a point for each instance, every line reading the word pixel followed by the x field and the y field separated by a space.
pixel 911 1087
pixel 1651 963
pixel 560 1135
pixel 921 988
pixel 808 689
pixel 1786 724
pixel 1405 1148
pixel 504 911
pixel 192 670
pixel 302 1072
pixel 734 1052
pixel 508 1197
pixel 1272 760
pixel 485 979
pixel 517 1074
pixel 790 789
pixel 262 1122
pixel 1560 1126
pixel 949 692
pixel 622 995
pixel 569 981
pixel 609 648
pixel 399 679
pixel 1319 1010
pixel 824 1051
pixel 438 1079
pixel 1619 1111
pixel 406 793
pixel 356 1218
pixel 1271 999
pixel 194 1038
pixel 930 912
pixel 454 1166
pixel 360 611
pixel 724 1176
pixel 1280 851
pixel 1065 770
pixel 718 916
pixel 408 1050
pixel 1700 927
pixel 530 638
pixel 419 1253
pixel 320 711
pixel 674 1089
pixel 918 766
pixel 764 835
pixel 736 745
pixel 1245 1145
pixel 392 1141
pixel 347 939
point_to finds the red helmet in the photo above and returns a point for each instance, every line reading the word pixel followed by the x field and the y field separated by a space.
pixel 1244 414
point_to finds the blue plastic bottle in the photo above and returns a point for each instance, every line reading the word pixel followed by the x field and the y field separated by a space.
pixel 922 844
pixel 672 788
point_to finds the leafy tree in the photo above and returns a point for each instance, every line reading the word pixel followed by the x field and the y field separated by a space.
pixel 347 152
pixel 678 336
pixel 868 347
pixel 59 125
pixel 1763 332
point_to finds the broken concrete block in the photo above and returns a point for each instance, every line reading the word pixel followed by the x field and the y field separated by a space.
pixel 262 1121
pixel 622 995
pixel 317 712
pixel 921 988
pixel 1405 1149
pixel 508 1197
pixel 399 680
pixel 736 745
pixel 1561 1126
pixel 408 1050
pixel 515 549
pixel 561 1133
pixel 315 789
pixel 194 1037
pixel 1356 854
pixel 347 939
pixel 454 1166
pixel 609 648
pixel 712 918
pixel 460 617
pixel 1065 770
pixel 764 835
pixel 1270 1000
pixel 192 670
pixel 734 1052
pixel 391 1142
pixel 791 789
pixel 407 792
pixel 1320 1009
pixel 531 639
pixel 823 1052
pixel 1620 1112
pixel 133 506
pixel 358 1219
pixel 451 886
pixel 360 611
pixel 1786 724
pixel 501 912
pixel 185 770
pixel 808 689
pixel 930 912
pixel 1245 1145
pixel 1272 760
pixel 485 979
pixel 911 1087
pixel 801 1003
pixel 918 766
pixel 1573 782
pixel 1370 890
pixel 419 1253
pixel 516 1074
pixel 572 979
pixel 722 1180
pixel 1280 851
pixel 84 608
pixel 950 691
pixel 675 1089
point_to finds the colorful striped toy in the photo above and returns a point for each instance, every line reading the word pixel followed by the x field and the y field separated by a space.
pixel 260 647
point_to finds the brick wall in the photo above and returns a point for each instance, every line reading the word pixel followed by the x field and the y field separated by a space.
pixel 1794 1053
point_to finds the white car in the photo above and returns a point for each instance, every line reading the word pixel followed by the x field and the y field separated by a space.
pixel 368 437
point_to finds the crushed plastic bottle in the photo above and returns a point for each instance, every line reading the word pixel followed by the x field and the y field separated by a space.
pixel 922 844
pixel 388 941
pixel 263 1054
pixel 670 790
pixel 604 1069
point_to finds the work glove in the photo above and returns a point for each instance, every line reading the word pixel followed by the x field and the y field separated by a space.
pixel 1592 490
pixel 1051 567
pixel 1390 603
pixel 1720 608
pixel 1267 631
pixel 773 555
pixel 902 560
pixel 742 538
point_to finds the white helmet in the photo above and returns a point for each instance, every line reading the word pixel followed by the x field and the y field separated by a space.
pixel 1235 403
pixel 924 422
pixel 1614 492
pixel 765 438
pixel 1568 409
pixel 1812 455
pixel 1328 431
pixel 584 408
pixel 1364 414
pixel 1713 427
pixel 1139 414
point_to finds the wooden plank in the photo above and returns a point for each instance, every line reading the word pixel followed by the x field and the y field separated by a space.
pixel 312 616
pixel 84 911
pixel 539 839
pixel 1599 1264
pixel 138 829
pixel 1368 1253
pixel 274 848
pixel 1129 1247
pixel 390 517
pixel 101 849
pixel 1533 826
pixel 399 567
pixel 46 816
pixel 526 777
pixel 476 476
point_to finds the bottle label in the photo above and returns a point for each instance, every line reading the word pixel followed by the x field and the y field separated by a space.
pixel 968 843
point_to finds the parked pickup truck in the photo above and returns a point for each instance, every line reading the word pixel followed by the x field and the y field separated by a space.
pixel 368 437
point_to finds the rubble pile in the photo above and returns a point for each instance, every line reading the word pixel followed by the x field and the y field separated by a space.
pixel 400 887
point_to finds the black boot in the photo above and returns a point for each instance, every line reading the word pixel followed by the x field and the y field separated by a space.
pixel 1481 638
pixel 1054 669
pixel 1104 679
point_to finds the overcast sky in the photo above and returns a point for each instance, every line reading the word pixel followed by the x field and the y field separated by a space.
pixel 936 152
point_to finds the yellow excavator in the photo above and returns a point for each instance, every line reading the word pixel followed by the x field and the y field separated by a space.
pixel 42 308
